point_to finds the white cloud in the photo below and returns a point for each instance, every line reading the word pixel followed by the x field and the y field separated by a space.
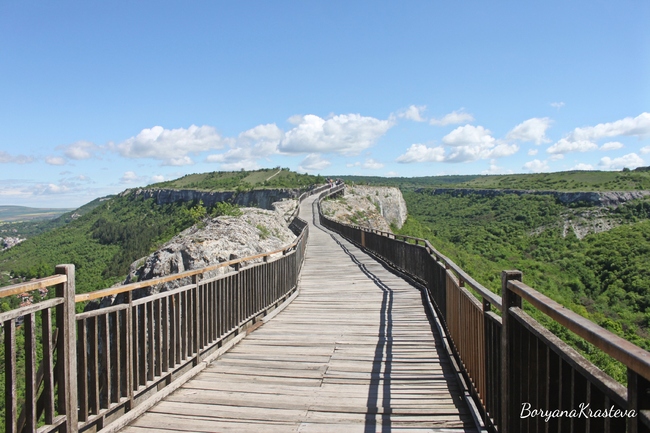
pixel 469 135
pixel 565 146
pixel 467 143
pixel 583 139
pixel 50 188
pixel 536 166
pixel 495 169
pixel 369 163
pixel 557 105
pixel 471 143
pixel 313 162
pixel 80 150
pixel 532 152
pixel 645 150
pixel 531 130
pixel 392 174
pixel 346 134
pixel 612 145
pixel 130 177
pixel 251 145
pixel 422 153
pixel 157 178
pixel 55 160
pixel 266 137
pixel 631 160
pixel 556 157
pixel 172 146
pixel 638 126
pixel 453 118
pixel 582 166
pixel 414 112
pixel 6 158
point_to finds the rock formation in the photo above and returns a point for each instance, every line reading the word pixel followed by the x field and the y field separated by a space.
pixel 212 241
pixel 262 198
pixel 610 198
pixel 373 207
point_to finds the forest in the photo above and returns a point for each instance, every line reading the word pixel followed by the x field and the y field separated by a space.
pixel 243 180
pixel 103 238
pixel 603 276
pixel 625 180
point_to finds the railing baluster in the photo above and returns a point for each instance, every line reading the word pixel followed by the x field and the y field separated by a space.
pixel 48 366
pixel 83 369
pixel 11 415
pixel 638 396
pixel 30 372
pixel 94 355
pixel 150 339
pixel 108 367
pixel 166 323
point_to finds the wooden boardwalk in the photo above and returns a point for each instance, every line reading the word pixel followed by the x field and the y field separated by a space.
pixel 354 352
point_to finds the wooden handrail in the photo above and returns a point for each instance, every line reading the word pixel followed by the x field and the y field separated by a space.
pixel 117 359
pixel 618 348
pixel 484 292
pixel 28 286
pixel 511 360
pixel 82 297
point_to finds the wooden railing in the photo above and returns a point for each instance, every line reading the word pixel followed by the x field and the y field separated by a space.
pixel 524 378
pixel 99 365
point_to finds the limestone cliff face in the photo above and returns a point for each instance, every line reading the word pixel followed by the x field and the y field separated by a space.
pixel 262 198
pixel 212 241
pixel 372 207
pixel 611 198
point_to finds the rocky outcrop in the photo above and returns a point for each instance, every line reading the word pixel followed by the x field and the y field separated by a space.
pixel 373 207
pixel 212 241
pixel 9 241
pixel 262 198
pixel 610 198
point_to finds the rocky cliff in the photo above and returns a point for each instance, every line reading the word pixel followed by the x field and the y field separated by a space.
pixel 610 198
pixel 373 207
pixel 212 241
pixel 262 198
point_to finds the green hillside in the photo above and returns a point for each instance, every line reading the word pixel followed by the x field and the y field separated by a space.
pixel 603 276
pixel 102 243
pixel 105 236
pixel 28 229
pixel 626 180
pixel 242 180
pixel 22 213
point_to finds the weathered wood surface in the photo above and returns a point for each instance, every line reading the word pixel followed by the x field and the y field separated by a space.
pixel 354 352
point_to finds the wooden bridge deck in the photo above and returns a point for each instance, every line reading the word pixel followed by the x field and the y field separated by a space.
pixel 354 352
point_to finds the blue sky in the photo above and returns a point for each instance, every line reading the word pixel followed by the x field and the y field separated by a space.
pixel 97 97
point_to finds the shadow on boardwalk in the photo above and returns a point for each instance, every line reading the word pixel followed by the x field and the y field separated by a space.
pixel 354 352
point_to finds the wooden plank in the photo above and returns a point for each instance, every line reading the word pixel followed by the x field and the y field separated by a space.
pixel 353 352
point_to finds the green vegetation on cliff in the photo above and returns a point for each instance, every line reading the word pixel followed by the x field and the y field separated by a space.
pixel 25 228
pixel 626 180
pixel 102 243
pixel 242 180
pixel 105 236
pixel 603 276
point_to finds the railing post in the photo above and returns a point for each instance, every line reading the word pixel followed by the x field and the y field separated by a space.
pixel 67 349
pixel 509 299
pixel 130 364
pixel 197 318
pixel 638 399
